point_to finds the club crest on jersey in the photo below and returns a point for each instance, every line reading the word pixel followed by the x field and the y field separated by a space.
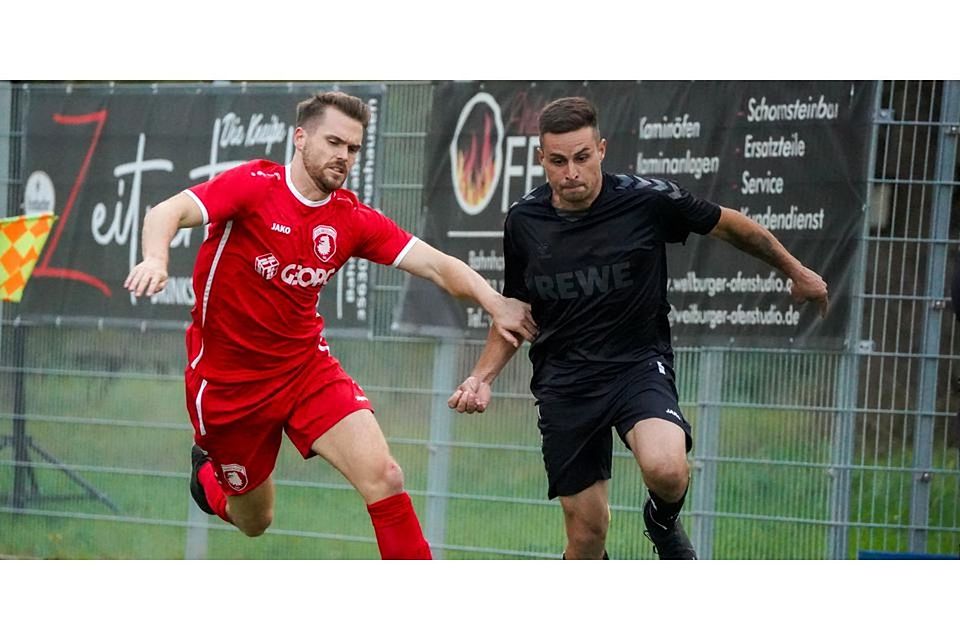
pixel 324 242
pixel 235 475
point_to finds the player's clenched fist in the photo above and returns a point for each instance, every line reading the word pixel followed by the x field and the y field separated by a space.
pixel 472 396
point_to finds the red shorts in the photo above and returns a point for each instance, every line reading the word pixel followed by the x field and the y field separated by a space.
pixel 240 425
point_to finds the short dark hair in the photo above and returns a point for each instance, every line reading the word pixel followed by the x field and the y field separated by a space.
pixel 568 114
pixel 350 106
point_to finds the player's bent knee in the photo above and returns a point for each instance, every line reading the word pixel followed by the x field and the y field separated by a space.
pixel 385 482
pixel 587 536
pixel 668 476
pixel 393 477
pixel 587 528
pixel 254 525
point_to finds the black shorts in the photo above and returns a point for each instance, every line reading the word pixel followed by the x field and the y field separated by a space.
pixel 577 442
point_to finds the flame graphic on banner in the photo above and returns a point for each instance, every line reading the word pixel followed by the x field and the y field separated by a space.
pixel 476 173
pixel 476 156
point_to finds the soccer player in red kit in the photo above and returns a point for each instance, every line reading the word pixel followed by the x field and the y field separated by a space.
pixel 258 364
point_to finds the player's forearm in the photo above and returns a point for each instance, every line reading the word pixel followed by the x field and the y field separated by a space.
pixel 162 223
pixel 159 226
pixel 756 240
pixel 495 356
pixel 461 281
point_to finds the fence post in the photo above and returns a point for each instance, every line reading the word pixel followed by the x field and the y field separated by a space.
pixel 6 134
pixel 708 447
pixel 841 452
pixel 438 465
pixel 848 370
pixel 934 308
pixel 196 545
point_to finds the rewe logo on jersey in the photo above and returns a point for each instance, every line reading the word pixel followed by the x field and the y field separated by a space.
pixel 299 275
pixel 324 242
pixel 266 265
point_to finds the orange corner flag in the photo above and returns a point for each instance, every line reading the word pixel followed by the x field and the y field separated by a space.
pixel 21 240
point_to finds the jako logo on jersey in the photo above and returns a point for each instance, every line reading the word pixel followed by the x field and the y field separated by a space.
pixel 297 274
pixel 266 265
pixel 324 242
pixel 282 228
pixel 235 475
pixel 674 414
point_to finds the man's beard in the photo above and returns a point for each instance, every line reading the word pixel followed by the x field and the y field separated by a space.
pixel 329 184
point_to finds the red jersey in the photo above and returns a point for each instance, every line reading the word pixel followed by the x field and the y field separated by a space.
pixel 259 272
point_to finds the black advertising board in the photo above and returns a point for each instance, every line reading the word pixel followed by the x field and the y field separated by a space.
pixel 792 155
pixel 101 156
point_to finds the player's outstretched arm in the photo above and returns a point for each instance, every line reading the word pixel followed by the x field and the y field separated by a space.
pixel 755 239
pixel 159 227
pixel 473 394
pixel 510 317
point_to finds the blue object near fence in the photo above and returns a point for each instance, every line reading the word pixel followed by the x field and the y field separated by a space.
pixel 889 555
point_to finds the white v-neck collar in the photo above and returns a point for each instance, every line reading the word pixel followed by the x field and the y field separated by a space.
pixel 299 196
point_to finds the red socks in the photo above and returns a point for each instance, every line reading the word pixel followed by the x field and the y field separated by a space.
pixel 216 498
pixel 398 531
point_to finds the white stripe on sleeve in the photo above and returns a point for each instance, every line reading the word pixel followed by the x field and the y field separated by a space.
pixel 405 251
pixel 203 209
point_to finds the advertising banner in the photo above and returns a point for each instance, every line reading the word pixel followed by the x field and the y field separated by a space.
pixel 99 157
pixel 791 155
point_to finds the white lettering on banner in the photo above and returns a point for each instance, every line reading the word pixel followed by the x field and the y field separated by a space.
pixel 819 109
pixel 179 291
pixel 692 283
pixel 265 133
pixel 213 168
pixel 297 274
pixel 767 184
pixel 229 131
pixel 370 153
pixel 679 128
pixel 363 280
pixel 233 133
pixel 794 219
pixel 479 261
pixel 695 166
pixel 124 227
pixel 478 318
pixel 529 170
pixel 694 315
pixel 792 147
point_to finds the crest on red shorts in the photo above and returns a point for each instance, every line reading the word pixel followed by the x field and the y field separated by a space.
pixel 235 475
pixel 324 242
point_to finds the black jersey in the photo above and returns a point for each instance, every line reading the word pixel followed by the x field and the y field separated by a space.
pixel 597 280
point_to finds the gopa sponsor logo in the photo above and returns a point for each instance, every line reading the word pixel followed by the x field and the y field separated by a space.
pixel 484 157
pixel 300 276
pixel 235 475
pixel 324 242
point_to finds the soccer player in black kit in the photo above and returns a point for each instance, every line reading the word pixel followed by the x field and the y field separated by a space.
pixel 587 250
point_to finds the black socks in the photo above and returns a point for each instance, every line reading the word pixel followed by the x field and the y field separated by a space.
pixel 665 513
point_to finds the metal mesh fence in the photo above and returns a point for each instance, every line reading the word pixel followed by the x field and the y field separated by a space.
pixel 798 453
